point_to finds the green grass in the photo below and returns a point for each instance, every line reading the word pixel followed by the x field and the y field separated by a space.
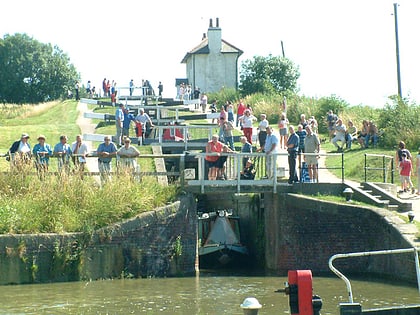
pixel 355 162
pixel 66 204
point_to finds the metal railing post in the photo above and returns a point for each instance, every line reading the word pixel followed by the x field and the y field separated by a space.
pixel 365 166
pixel 342 167
pixel 383 168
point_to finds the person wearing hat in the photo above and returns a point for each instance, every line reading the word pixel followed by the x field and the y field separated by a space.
pixel 20 149
pixel 42 152
pixel 127 154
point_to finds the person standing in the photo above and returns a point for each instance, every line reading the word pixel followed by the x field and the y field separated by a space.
pixel 42 152
pixel 104 87
pixel 20 151
pixel 312 147
pixel 292 149
pixel 142 119
pixel 106 151
pixel 418 172
pixel 215 147
pixel 203 102
pixel 262 130
pixel 282 124
pixel 406 167
pixel 246 122
pixel 79 151
pixel 228 133
pixel 160 89
pixel 271 148
pixel 246 148
pixel 127 154
pixel 76 87
pixel 119 119
pixel 63 152
pixel 131 87
pixel 240 112
pixel 128 118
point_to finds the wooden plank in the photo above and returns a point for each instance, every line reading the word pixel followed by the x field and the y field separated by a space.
pixel 160 165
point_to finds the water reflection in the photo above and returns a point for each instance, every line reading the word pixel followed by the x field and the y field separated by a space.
pixel 207 294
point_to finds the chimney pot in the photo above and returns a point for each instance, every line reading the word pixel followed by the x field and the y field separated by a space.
pixel 211 22
pixel 217 22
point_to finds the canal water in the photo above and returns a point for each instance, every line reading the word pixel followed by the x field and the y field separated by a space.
pixel 204 294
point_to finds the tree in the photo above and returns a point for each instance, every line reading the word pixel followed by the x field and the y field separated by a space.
pixel 272 74
pixel 33 72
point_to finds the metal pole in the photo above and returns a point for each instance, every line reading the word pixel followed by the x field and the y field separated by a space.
pixel 397 48
pixel 342 167
pixel 383 168
pixel 365 166
pixel 282 49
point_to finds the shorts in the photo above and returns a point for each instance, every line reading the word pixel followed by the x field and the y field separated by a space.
pixel 213 163
pixel 221 161
pixel 283 132
pixel 311 159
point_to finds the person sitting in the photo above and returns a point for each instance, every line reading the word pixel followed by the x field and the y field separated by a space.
pixel 249 170
pixel 372 134
pixel 362 135
pixel 20 151
pixel 340 135
pixel 351 134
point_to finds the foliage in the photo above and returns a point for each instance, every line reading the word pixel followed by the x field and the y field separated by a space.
pixel 334 103
pixel 33 72
pixel 272 74
pixel 400 122
pixel 223 96
pixel 70 204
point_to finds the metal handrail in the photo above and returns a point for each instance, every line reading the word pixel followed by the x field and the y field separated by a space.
pixel 383 168
pixel 371 253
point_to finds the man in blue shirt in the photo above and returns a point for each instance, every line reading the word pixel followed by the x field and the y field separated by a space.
pixel 292 149
pixel 62 151
pixel 42 152
pixel 127 122
pixel 106 151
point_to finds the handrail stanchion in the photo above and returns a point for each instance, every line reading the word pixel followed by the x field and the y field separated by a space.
pixel 342 167
pixel 383 167
pixel 416 260
pixel 365 167
pixel 182 169
pixel 392 170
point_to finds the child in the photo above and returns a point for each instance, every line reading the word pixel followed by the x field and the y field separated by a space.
pixel 248 171
pixel 418 172
pixel 405 173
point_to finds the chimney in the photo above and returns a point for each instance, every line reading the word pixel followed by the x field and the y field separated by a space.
pixel 214 35
pixel 204 36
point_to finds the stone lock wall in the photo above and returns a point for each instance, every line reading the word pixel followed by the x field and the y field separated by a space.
pixel 157 243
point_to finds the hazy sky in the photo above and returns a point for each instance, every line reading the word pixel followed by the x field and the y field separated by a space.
pixel 342 47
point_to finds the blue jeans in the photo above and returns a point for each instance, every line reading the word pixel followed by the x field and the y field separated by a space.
pixel 374 140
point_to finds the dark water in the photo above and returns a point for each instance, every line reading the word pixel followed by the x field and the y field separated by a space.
pixel 206 294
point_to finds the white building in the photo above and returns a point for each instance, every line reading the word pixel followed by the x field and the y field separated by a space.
pixel 213 64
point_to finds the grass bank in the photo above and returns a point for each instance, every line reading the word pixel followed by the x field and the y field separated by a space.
pixel 67 203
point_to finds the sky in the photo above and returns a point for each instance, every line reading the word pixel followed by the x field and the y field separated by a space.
pixel 342 47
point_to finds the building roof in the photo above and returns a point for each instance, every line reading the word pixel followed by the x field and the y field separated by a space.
pixel 203 48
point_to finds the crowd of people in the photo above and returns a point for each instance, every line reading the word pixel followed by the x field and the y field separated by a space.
pixel 71 156
pixel 302 145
